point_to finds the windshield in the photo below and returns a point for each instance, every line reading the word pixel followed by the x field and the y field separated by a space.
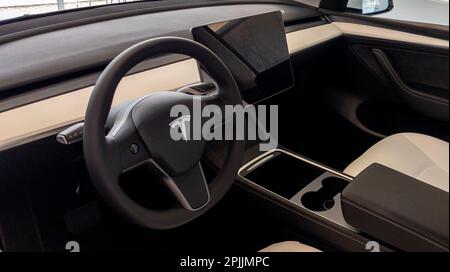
pixel 16 8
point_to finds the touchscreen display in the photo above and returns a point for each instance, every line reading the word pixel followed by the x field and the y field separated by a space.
pixel 259 42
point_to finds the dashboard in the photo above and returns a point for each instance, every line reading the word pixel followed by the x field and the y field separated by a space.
pixel 88 47
pixel 41 96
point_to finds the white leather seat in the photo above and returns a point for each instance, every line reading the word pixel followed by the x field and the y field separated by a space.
pixel 420 156
pixel 289 246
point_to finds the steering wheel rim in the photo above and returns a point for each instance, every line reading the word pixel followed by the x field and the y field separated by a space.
pixel 102 151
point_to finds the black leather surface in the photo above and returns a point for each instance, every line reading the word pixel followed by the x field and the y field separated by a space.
pixel 397 209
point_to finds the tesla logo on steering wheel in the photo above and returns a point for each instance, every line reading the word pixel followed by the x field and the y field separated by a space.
pixel 182 123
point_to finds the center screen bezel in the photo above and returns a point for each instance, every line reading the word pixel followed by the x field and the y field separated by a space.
pixel 256 84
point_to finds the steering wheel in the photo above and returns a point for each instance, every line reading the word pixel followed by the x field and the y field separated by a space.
pixel 141 136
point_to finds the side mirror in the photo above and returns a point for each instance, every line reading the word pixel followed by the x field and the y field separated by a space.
pixel 370 7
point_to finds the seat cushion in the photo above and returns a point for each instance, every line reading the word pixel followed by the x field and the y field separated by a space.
pixel 289 246
pixel 420 156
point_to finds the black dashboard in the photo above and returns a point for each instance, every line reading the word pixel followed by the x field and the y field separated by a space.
pixel 73 58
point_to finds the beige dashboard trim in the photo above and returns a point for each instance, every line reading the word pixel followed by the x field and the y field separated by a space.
pixel 305 38
pixel 38 118
pixel 389 34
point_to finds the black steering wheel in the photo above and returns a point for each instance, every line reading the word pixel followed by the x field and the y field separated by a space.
pixel 141 136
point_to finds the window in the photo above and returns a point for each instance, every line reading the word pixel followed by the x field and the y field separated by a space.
pixel 16 8
pixel 422 11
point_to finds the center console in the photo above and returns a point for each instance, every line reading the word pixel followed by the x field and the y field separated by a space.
pixel 303 182
pixel 380 203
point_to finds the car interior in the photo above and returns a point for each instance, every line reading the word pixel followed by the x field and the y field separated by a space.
pixel 86 156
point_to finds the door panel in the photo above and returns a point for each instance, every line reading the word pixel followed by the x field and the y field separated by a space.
pixel 419 77
pixel 386 85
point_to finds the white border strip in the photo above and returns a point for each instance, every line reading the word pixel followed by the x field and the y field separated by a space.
pixel 389 34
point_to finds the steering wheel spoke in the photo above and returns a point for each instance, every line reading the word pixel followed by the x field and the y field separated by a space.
pixel 133 151
pixel 189 188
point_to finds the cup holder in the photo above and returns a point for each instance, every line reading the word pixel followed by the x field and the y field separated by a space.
pixel 322 200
